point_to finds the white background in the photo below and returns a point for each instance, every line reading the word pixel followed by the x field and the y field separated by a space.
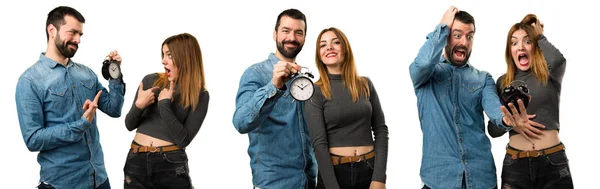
pixel 233 35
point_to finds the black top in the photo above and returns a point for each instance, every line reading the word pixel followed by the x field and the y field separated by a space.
pixel 340 122
pixel 545 99
pixel 167 120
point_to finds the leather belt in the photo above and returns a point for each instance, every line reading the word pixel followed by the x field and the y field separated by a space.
pixel 141 149
pixel 534 153
pixel 349 159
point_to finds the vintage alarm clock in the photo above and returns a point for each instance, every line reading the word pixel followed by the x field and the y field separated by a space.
pixel 302 86
pixel 111 69
pixel 513 92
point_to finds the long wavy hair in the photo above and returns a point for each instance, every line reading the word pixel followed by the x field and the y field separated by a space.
pixel 187 57
pixel 357 85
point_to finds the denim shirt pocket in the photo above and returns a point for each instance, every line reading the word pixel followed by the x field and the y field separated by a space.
pixel 471 92
pixel 89 84
pixel 442 82
pixel 59 99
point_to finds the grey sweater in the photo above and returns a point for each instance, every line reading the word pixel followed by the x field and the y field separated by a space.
pixel 339 122
pixel 545 99
pixel 167 120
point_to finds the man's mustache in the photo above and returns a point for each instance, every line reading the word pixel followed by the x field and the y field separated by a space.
pixel 291 42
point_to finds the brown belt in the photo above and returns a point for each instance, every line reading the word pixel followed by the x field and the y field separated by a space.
pixel 534 153
pixel 349 159
pixel 141 149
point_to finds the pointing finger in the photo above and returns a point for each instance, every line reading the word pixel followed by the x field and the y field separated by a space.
pixel 97 97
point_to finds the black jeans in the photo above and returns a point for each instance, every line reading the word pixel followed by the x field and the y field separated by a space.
pixel 545 171
pixel 105 185
pixel 355 175
pixel 157 170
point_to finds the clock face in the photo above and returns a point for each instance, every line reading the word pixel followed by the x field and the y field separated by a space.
pixel 114 70
pixel 302 88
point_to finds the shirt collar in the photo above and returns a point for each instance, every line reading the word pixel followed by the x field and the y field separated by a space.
pixel 444 60
pixel 51 63
pixel 273 59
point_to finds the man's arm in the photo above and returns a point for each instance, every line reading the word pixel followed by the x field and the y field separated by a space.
pixel 111 102
pixel 254 101
pixel 491 104
pixel 423 66
pixel 493 129
pixel 36 135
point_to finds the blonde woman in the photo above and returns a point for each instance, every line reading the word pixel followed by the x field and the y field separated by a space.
pixel 168 110
pixel 341 116
pixel 539 161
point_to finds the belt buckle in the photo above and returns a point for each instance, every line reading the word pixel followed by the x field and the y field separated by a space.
pixel 154 149
pixel 537 154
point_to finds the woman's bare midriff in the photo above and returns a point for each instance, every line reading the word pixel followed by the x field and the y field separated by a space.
pixel 350 150
pixel 146 140
pixel 548 139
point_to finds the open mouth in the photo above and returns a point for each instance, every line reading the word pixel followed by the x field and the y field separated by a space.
pixel 523 59
pixel 168 72
pixel 460 53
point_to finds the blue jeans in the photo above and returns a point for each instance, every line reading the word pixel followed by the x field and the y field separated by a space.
pixel 545 171
pixel 105 185
pixel 157 170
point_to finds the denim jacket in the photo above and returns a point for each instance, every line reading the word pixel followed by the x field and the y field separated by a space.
pixel 281 155
pixel 49 99
pixel 451 101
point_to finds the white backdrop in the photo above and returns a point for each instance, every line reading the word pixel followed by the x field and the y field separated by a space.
pixel 235 34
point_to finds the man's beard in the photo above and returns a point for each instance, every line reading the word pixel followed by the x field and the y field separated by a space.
pixel 450 54
pixel 63 47
pixel 286 53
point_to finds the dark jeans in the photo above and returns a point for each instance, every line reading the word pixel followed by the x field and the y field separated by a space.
pixel 355 175
pixel 105 185
pixel 157 170
pixel 545 171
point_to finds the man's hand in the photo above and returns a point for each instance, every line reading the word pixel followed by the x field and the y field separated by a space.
pixel 145 97
pixel 114 55
pixel 520 121
pixel 281 72
pixel 90 107
pixel 448 18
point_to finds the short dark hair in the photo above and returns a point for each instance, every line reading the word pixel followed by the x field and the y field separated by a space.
pixel 56 17
pixel 292 13
pixel 465 17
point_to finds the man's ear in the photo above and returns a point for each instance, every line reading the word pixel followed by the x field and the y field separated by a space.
pixel 51 31
pixel 275 35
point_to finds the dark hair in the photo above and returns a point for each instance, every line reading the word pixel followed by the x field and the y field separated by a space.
pixel 292 13
pixel 465 17
pixel 56 17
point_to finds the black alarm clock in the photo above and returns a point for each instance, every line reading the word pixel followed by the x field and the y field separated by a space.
pixel 302 86
pixel 513 92
pixel 111 69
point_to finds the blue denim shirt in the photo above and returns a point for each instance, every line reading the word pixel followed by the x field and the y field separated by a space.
pixel 49 100
pixel 451 101
pixel 281 155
